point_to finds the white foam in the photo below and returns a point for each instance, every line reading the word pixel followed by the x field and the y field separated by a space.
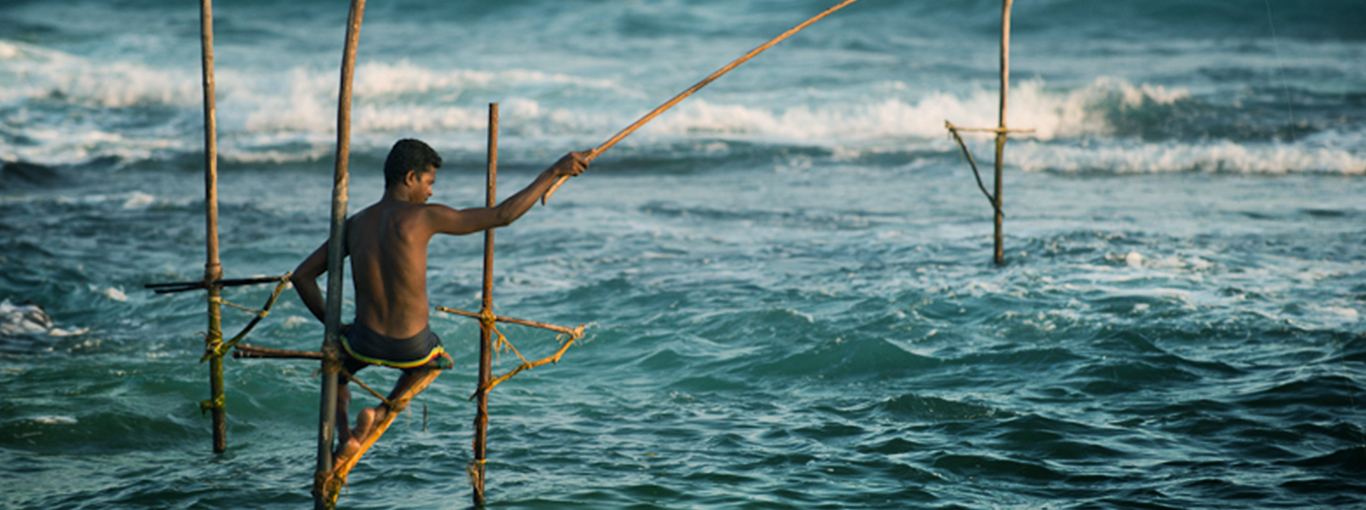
pixel 1052 114
pixel 1212 157
pixel 289 114
pixel 295 321
pixel 55 420
pixel 138 200
pixel 1134 259
pixel 32 72
pixel 114 294
pixel 59 332
pixel 22 319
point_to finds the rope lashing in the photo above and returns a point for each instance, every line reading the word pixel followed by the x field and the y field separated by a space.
pixel 574 334
pixel 221 301
pixel 488 320
pixel 224 347
pixel 209 405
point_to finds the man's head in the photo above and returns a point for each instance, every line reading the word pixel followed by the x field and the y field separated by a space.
pixel 407 157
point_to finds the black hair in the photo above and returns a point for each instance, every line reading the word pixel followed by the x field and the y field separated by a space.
pixel 408 155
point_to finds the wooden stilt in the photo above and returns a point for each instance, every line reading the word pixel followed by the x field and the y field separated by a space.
pixel 998 238
pixel 331 350
pixel 213 271
pixel 334 480
pixel 481 416
pixel 1001 124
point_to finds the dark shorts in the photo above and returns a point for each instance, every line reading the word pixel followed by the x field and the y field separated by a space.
pixel 363 346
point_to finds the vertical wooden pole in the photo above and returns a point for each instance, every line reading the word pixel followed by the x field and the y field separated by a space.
pixel 1001 135
pixel 331 345
pixel 481 417
pixel 212 269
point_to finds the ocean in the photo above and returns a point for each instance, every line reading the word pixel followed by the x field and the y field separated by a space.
pixel 787 280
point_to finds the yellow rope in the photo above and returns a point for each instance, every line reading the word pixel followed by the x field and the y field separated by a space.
pixel 224 347
pixel 488 320
pixel 254 311
pixel 217 403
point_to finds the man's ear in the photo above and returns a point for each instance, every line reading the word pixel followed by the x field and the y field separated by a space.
pixel 412 178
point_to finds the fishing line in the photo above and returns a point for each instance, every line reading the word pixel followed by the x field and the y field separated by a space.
pixel 1341 345
pixel 1280 71
pixel 1285 86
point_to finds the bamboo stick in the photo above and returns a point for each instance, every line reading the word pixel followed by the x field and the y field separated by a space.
pixel 481 417
pixel 953 127
pixel 650 116
pixel 999 237
pixel 260 314
pixel 528 365
pixel 552 327
pixel 331 350
pixel 164 288
pixel 973 163
pixel 213 270
pixel 332 481
pixel 253 351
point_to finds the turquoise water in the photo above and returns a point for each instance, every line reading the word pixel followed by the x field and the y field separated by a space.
pixel 787 282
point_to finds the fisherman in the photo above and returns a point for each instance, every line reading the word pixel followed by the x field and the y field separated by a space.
pixel 387 243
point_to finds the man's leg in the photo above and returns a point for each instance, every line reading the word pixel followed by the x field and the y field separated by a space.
pixel 343 405
pixel 367 418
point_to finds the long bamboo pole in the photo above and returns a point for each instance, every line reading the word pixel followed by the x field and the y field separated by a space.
pixel 213 270
pixel 683 95
pixel 481 417
pixel 331 345
pixel 1001 126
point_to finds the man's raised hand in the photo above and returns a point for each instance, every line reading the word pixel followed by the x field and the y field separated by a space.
pixel 571 164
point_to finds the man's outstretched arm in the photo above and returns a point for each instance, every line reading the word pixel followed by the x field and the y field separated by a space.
pixel 468 221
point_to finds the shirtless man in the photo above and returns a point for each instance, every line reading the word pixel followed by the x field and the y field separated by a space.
pixel 387 243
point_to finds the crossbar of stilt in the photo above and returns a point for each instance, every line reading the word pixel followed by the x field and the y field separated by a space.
pixel 552 327
pixel 253 351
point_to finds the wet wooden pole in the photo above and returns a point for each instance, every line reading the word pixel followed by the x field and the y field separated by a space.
pixel 481 416
pixel 213 271
pixel 331 349
pixel 1001 126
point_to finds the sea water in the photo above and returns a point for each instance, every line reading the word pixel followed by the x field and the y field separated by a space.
pixel 786 280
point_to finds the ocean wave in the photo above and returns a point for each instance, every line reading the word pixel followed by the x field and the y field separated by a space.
pixel 57 108
pixel 33 72
pixel 1051 113
pixel 1213 157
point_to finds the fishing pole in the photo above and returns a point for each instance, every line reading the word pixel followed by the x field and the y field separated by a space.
pixel 613 141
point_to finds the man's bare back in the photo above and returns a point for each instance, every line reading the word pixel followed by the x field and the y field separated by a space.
pixel 387 243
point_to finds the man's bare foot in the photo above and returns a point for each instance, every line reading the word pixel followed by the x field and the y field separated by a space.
pixel 345 450
pixel 366 420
